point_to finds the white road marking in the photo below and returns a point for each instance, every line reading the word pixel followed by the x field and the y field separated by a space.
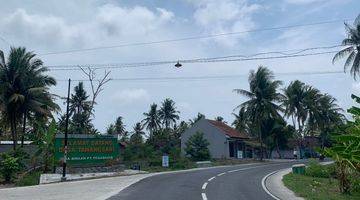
pixel 212 178
pixel 236 170
pixel 221 174
pixel 204 186
pixel 264 186
pixel 203 196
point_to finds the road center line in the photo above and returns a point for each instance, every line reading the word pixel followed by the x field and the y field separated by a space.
pixel 203 196
pixel 204 186
pixel 221 174
pixel 212 178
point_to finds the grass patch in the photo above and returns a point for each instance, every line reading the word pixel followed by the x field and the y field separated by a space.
pixel 31 178
pixel 312 188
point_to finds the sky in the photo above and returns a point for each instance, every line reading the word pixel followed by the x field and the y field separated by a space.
pixel 55 26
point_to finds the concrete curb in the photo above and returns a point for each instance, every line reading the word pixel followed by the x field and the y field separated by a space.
pixel 274 186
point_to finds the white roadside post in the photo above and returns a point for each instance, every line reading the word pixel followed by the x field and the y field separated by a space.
pixel 165 161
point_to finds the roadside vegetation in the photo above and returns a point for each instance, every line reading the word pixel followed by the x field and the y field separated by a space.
pixel 340 180
pixel 273 114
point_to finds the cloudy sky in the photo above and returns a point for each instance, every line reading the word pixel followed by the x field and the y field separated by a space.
pixel 56 26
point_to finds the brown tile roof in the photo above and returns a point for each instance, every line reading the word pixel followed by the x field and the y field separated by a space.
pixel 229 131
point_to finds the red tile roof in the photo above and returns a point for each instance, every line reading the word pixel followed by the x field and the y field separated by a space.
pixel 229 131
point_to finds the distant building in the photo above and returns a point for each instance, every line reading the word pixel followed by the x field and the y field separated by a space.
pixel 225 141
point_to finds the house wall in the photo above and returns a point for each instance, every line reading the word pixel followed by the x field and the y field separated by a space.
pixel 219 147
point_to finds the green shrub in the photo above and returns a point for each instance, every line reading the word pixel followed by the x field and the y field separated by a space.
pixel 9 166
pixel 32 178
pixel 355 182
pixel 182 163
pixel 197 147
pixel 331 169
pixel 316 170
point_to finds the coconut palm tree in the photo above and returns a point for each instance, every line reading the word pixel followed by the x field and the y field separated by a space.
pixel 24 89
pixel 241 121
pixel 152 119
pixel 79 100
pixel 120 126
pixel 352 49
pixel 137 135
pixel 196 119
pixel 168 113
pixel 263 100
pixel 293 102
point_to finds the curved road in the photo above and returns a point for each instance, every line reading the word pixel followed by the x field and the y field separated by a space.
pixel 223 183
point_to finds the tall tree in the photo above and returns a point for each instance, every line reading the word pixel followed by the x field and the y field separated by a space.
pixel 24 89
pixel 294 99
pixel 137 135
pixel 197 118
pixel 241 121
pixel 79 100
pixel 120 127
pixel 80 110
pixel 352 49
pixel 152 119
pixel 263 100
pixel 110 130
pixel 168 113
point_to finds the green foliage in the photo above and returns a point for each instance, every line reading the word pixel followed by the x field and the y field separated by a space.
pixel 197 118
pixel 29 179
pixel 262 103
pixel 346 149
pixel 197 147
pixel 316 170
pixel 80 112
pixel 9 166
pixel 351 48
pixel 46 146
pixel 152 119
pixel 168 113
pixel 24 89
pixel 313 188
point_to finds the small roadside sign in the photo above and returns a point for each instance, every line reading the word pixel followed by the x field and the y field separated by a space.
pixel 165 161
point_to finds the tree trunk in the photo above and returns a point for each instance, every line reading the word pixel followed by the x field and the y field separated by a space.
pixel 278 149
pixel 261 147
pixel 24 130
pixel 13 132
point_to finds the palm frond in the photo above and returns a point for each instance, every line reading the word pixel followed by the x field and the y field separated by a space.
pixel 244 93
pixel 342 54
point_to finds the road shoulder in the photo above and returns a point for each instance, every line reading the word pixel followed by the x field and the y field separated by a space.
pixel 274 186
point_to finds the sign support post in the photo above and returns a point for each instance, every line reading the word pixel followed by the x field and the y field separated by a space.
pixel 63 178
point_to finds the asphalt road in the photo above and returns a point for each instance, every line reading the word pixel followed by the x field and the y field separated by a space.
pixel 225 183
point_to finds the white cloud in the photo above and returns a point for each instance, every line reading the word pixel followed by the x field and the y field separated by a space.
pixel 225 16
pixel 298 2
pixel 128 96
pixel 108 22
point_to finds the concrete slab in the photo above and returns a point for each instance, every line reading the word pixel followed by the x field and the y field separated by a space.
pixel 276 187
pixel 53 178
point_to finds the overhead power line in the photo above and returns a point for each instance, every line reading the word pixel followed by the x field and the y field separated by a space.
pixel 233 58
pixel 195 37
pixel 208 77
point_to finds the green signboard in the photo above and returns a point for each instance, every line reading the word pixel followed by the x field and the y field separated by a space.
pixel 87 149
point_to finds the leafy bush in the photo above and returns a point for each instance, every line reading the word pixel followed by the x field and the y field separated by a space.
pixel 197 147
pixel 316 170
pixel 32 178
pixel 182 163
pixel 9 166
pixel 355 182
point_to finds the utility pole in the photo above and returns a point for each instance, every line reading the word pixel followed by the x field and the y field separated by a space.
pixel 63 178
